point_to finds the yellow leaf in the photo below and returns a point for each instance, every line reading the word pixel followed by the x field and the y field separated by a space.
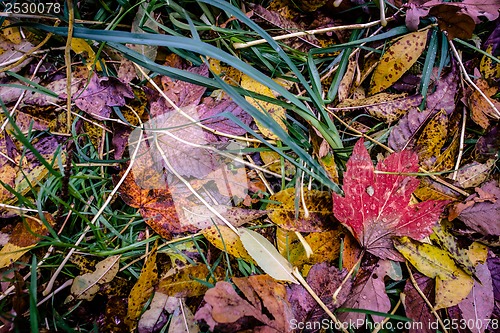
pixel 227 240
pixel 12 33
pixel 80 46
pixel 25 235
pixel 184 282
pixel 452 283
pixel 317 218
pixel 490 70
pixel 397 60
pixel 278 113
pixel 272 161
pixel 432 139
pixel 324 245
pixel 142 289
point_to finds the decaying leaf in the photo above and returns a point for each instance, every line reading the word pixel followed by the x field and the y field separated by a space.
pixel 142 289
pixel 227 240
pixel 467 256
pixel 101 94
pixel 490 70
pixel 451 20
pixel 474 173
pixel 266 255
pixel 481 111
pixel 415 306
pixel 432 139
pixel 324 279
pixel 87 285
pixel 443 98
pixel 368 292
pixel 482 216
pixel 375 207
pixel 265 300
pixel 278 113
pixel 182 282
pixel 452 283
pixel 397 60
pixel 384 106
pixel 317 218
pixel 26 234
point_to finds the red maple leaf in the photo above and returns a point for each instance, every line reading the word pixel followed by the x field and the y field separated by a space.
pixel 376 205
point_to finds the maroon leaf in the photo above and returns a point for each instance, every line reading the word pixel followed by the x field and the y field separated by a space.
pixel 375 207
pixel 415 306
pixel 494 267
pixel 368 293
pixel 477 307
pixel 101 94
pixel 483 216
pixel 324 279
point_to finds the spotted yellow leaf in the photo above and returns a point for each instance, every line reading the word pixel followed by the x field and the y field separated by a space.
pixel 278 113
pixel 397 60
pixel 80 46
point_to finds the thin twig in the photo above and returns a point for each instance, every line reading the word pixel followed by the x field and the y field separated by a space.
pixel 309 32
pixel 426 300
pixel 461 147
pixel 303 282
pixel 67 60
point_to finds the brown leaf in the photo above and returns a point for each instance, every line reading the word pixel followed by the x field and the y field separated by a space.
pixel 432 139
pixel 265 301
pixel 451 20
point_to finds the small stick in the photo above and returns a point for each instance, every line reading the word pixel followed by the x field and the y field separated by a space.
pixel 309 32
pixel 67 60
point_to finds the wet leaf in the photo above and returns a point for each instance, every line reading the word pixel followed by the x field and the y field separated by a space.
pixel 397 60
pixel 319 216
pixel 26 234
pixel 324 245
pixel 375 207
pixel 87 285
pixel 368 292
pixel 265 300
pixel 183 282
pixel 278 113
pixel 477 307
pixel 452 283
pixel 266 256
pixel 415 306
pixel 227 240
pixel 142 289
pixel 324 279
